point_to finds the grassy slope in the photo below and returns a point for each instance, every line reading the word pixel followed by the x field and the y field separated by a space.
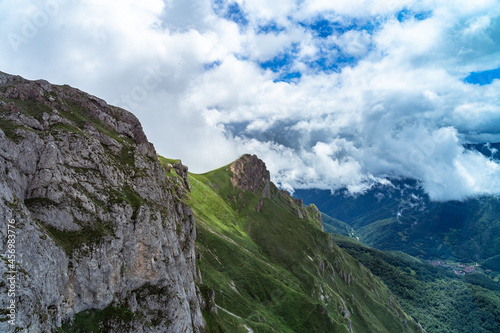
pixel 438 299
pixel 335 226
pixel 275 272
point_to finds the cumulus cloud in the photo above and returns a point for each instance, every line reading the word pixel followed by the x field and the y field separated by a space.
pixel 328 94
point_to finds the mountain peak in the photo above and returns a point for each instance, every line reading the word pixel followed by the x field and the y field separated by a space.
pixel 250 173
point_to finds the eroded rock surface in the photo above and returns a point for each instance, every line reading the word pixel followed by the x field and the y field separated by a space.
pixel 250 174
pixel 99 225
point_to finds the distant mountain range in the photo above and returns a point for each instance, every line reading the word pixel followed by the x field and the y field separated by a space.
pixel 401 217
pixel 441 259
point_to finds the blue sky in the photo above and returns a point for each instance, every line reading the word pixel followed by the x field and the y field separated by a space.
pixel 484 77
pixel 328 94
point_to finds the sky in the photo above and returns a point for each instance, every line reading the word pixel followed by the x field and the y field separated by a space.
pixel 330 94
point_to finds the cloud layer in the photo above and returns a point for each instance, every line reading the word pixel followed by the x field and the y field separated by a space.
pixel 328 94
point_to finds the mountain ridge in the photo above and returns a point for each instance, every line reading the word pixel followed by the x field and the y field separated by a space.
pixel 244 231
pixel 401 216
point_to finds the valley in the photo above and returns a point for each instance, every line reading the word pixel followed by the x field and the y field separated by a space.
pixel 439 258
pixel 401 217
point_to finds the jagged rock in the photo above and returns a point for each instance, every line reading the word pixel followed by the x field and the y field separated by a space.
pixel 98 222
pixel 250 174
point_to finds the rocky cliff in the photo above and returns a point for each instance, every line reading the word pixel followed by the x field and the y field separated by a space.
pixel 101 233
pixel 249 173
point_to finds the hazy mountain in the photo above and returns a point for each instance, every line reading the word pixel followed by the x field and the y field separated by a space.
pixel 400 216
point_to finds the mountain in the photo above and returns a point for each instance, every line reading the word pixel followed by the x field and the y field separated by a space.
pixel 453 285
pixel 400 216
pixel 100 234
pixel 94 234
pixel 268 266
pixel 442 301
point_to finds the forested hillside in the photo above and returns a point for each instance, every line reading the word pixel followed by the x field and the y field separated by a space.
pixel 440 300
pixel 401 217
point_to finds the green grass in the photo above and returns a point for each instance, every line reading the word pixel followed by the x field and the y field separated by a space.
pixel 95 321
pixel 164 160
pixel 73 240
pixel 10 128
pixel 81 117
pixel 65 128
pixel 129 196
pixel 33 108
pixel 265 267
pixel 335 226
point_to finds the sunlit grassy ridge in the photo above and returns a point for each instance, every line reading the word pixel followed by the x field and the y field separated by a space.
pixel 273 271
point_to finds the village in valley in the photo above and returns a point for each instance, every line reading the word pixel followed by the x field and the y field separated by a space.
pixel 457 268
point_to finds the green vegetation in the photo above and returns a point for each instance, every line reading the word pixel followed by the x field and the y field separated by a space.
pixel 33 108
pixel 45 202
pixel 95 321
pixel 73 240
pixel 81 116
pixel 168 163
pixel 335 226
pixel 164 160
pixel 10 129
pixel 403 218
pixel 493 263
pixel 130 196
pixel 440 300
pixel 72 107
pixel 66 128
pixel 275 272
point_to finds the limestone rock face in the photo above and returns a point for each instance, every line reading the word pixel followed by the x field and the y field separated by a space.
pixel 250 174
pixel 98 224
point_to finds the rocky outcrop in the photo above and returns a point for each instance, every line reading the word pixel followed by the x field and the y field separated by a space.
pixel 98 224
pixel 250 174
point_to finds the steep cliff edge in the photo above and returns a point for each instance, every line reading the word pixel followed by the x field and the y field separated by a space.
pixel 101 235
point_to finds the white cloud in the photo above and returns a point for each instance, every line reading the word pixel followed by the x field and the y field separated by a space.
pixel 354 7
pixel 262 10
pixel 399 107
pixel 355 43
